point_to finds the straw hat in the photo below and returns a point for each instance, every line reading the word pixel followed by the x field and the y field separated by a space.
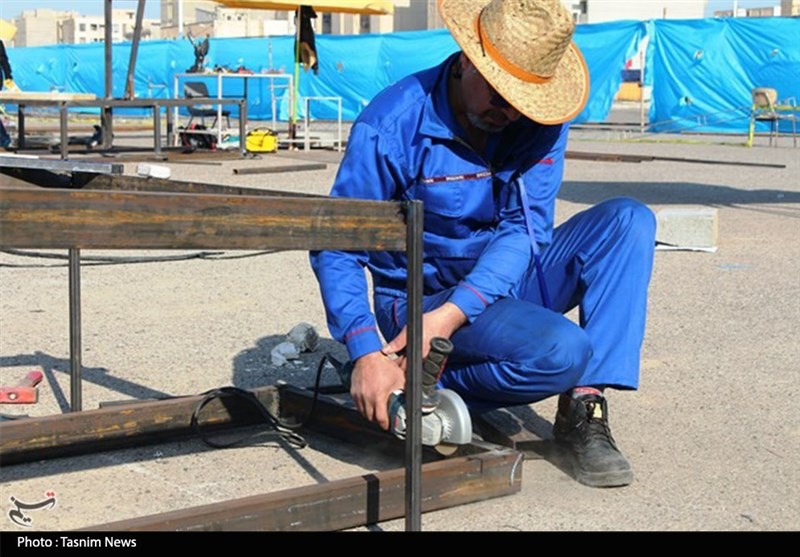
pixel 524 49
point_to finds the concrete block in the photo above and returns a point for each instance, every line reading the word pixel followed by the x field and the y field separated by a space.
pixel 692 228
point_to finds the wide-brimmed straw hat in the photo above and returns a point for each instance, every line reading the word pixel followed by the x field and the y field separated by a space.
pixel 524 49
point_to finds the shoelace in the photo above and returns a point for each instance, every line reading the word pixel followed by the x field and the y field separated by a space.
pixel 597 426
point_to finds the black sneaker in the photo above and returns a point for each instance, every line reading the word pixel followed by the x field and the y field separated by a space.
pixel 585 431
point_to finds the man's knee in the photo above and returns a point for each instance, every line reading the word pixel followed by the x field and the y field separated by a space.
pixel 554 362
pixel 631 216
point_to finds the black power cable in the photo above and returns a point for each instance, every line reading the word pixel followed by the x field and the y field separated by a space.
pixel 277 427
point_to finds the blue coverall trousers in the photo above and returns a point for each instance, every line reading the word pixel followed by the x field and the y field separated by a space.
pixel 519 352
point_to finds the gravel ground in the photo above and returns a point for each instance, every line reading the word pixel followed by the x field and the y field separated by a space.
pixel 712 433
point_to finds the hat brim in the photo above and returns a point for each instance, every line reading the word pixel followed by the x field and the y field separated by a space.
pixel 555 101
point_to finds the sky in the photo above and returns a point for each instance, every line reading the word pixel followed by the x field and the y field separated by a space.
pixel 9 9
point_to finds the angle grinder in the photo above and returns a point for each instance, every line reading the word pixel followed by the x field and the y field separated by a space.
pixel 446 422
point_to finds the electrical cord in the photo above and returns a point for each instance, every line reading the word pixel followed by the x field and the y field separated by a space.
pixel 277 427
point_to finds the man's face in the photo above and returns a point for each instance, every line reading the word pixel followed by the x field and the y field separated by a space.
pixel 485 108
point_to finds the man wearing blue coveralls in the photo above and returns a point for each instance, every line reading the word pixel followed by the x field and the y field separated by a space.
pixel 480 139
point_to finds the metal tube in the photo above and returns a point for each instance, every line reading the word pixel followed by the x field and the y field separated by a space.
pixel 413 453
pixel 170 127
pixel 106 122
pixel 21 126
pixel 157 128
pixel 243 128
pixel 219 109
pixel 307 140
pixel 137 35
pixel 76 405
pixel 62 128
pixel 339 142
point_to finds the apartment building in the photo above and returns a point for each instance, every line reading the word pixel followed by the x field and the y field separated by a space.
pixel 41 27
pixel 790 8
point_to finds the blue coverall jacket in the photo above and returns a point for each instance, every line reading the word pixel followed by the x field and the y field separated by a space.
pixel 407 145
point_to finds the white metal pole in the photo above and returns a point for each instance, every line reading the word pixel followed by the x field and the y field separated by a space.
pixel 180 18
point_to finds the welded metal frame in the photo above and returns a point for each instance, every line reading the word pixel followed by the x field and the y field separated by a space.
pixel 479 471
pixel 91 219
pixel 106 105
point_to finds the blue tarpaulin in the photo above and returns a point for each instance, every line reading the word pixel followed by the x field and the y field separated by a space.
pixel 354 68
pixel 703 71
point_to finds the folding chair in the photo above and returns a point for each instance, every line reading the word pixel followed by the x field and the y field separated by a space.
pixel 767 108
pixel 198 90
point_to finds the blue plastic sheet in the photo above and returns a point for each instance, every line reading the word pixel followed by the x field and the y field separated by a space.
pixel 703 71
pixel 354 68
pixel 606 47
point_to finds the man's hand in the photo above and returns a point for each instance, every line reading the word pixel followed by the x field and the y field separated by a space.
pixel 441 322
pixel 375 377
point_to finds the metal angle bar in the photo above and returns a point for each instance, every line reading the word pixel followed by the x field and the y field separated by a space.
pixel 413 514
pixel 62 165
pixel 75 358
pixel 130 424
pixel 345 503
pixel 58 218
pixel 283 168
pixel 137 35
pixel 137 183
pixel 134 423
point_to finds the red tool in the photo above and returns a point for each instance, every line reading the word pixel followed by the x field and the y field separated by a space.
pixel 25 392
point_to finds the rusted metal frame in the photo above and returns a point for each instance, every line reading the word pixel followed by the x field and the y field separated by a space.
pixel 11 178
pixel 119 426
pixel 606 157
pixel 108 104
pixel 413 390
pixel 57 218
pixel 75 358
pixel 137 35
pixel 136 183
pixel 81 219
pixel 335 505
pixel 136 423
pixel 489 471
pixel 107 115
pixel 282 168
pixel 346 503
pixel 620 157
pixel 62 166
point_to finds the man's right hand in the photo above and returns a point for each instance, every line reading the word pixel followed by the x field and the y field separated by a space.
pixel 375 377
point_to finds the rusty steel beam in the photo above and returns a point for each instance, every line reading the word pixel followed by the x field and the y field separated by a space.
pixel 140 422
pixel 125 425
pixel 58 218
pixel 282 168
pixel 136 183
pixel 346 503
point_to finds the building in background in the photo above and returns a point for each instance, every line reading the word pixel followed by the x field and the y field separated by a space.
pixel 45 27
pixel 598 11
pixel 39 27
pixel 790 8
pixel 205 17
pixel 768 11
pixel 208 18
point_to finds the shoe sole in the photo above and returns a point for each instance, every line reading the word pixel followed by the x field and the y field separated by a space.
pixel 618 478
